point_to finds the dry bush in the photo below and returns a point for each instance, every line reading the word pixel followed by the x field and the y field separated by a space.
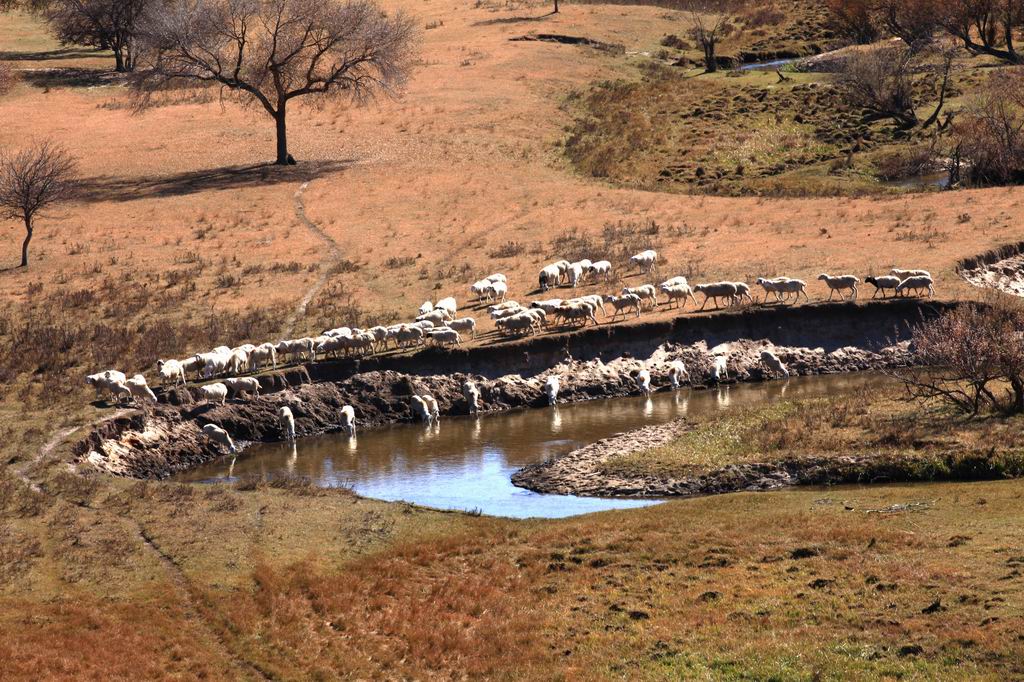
pixel 905 163
pixel 990 132
pixel 8 78
pixel 973 358
pixel 854 19
pixel 756 16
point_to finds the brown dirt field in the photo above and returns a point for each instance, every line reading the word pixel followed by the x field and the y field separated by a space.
pixel 464 163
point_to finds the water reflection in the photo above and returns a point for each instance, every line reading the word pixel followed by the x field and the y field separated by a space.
pixel 466 462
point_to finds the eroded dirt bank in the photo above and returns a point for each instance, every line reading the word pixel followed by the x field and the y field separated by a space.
pixel 1001 269
pixel 580 472
pixel 592 364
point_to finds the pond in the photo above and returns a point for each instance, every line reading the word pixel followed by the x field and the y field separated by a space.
pixel 465 463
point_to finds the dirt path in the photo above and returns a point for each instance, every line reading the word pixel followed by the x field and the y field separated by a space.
pixel 198 609
pixel 332 256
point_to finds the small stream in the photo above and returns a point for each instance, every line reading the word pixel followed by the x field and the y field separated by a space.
pixel 465 463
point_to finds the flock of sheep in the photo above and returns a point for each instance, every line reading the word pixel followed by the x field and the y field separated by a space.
pixel 438 323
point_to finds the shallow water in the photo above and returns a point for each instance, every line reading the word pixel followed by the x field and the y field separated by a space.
pixel 466 463
pixel 771 65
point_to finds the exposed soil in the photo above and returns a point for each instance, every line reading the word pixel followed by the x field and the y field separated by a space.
pixel 1000 269
pixel 580 473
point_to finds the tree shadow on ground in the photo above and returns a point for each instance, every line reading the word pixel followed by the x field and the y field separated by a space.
pixel 512 20
pixel 106 188
pixel 44 55
pixel 70 77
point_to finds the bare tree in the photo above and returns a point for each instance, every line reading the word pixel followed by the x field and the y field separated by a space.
pixel 882 81
pixel 972 357
pixel 984 26
pixel 709 24
pixel 31 180
pixel 105 24
pixel 912 21
pixel 270 52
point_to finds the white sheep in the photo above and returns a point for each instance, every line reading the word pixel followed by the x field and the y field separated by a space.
pixel 521 323
pixel 903 274
pixel 883 283
pixel 409 335
pixel 720 369
pixel 263 354
pixel 425 308
pixel 464 325
pixel 647 293
pixel 212 393
pixel 601 268
pixel 445 336
pixel 170 371
pixel 625 303
pixel 237 387
pixel 472 395
pixel 549 305
pixel 480 288
pixel 435 413
pixel 447 304
pixel 191 365
pixel 595 300
pixel 839 284
pixel 677 373
pixel 562 266
pixel 348 419
pixel 551 388
pixel 437 317
pixel 506 312
pixel 237 361
pixel 576 312
pixel 498 291
pixel 917 284
pixel 677 293
pixel 645 260
pixel 782 287
pixel 104 381
pixel 139 389
pixel 287 422
pixel 420 409
pixel 550 276
pixel 643 381
pixel 497 277
pixel 742 292
pixel 119 391
pixel 219 436
pixel 772 363
pixel 575 275
pixel 716 290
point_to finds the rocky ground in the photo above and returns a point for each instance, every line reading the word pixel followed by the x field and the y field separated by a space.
pixel 1006 275
pixel 168 438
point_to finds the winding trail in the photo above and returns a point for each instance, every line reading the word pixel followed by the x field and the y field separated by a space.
pixel 332 257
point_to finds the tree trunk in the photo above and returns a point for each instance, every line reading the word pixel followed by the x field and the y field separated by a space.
pixel 710 63
pixel 282 136
pixel 118 60
pixel 556 7
pixel 24 245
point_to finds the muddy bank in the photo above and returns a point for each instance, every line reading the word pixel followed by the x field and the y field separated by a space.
pixel 580 471
pixel 595 363
pixel 1001 269
pixel 169 438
